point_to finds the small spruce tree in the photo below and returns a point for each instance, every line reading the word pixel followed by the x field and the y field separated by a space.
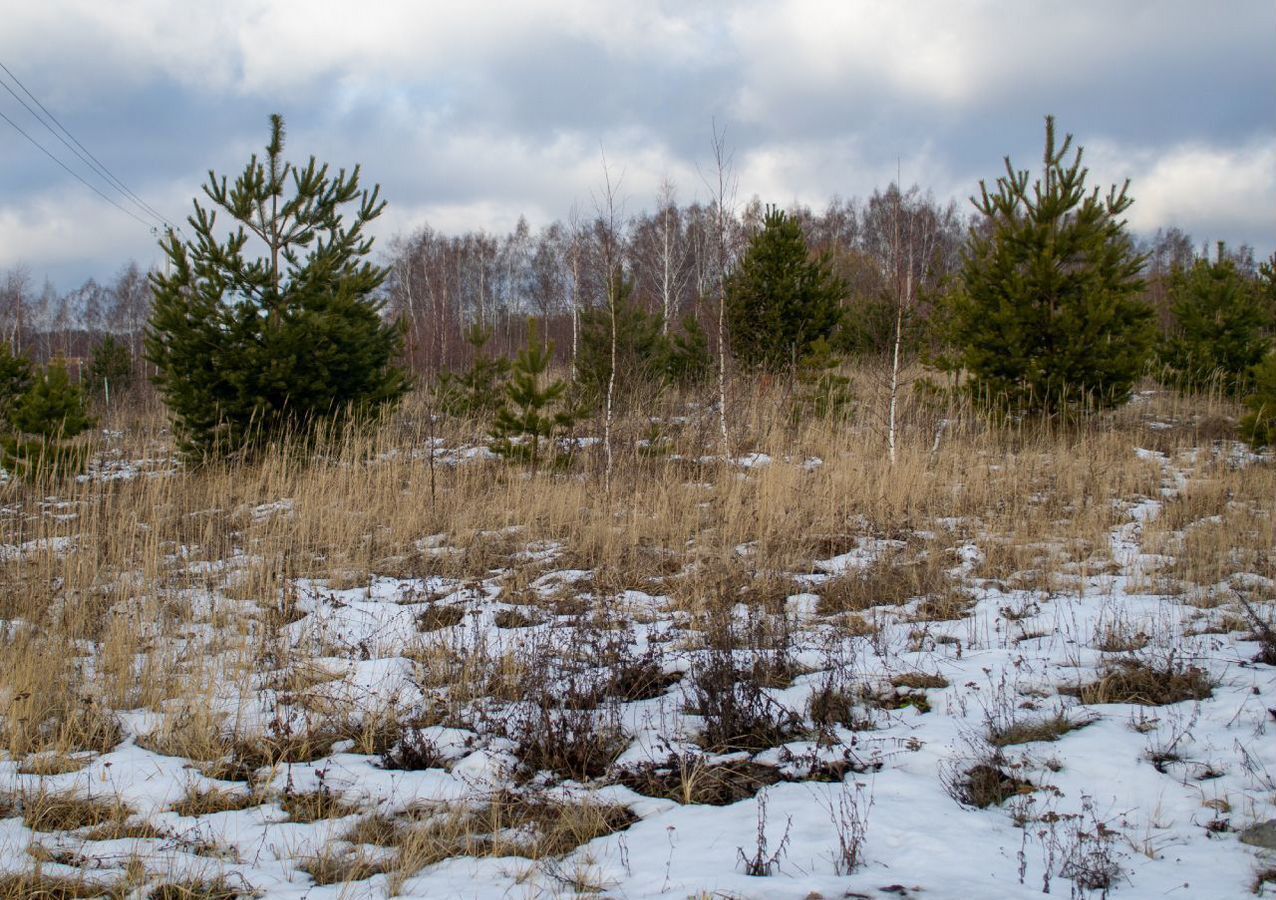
pixel 51 412
pixel 110 371
pixel 53 408
pixel 480 391
pixel 649 357
pixel 1048 316
pixel 1259 427
pixel 15 381
pixel 689 358
pixel 780 301
pixel 642 350
pixel 823 391
pixel 250 348
pixel 1267 294
pixel 1219 326
pixel 534 413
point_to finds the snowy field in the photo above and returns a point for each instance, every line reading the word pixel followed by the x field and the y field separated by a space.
pixel 927 712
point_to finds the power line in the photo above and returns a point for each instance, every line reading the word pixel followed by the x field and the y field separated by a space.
pixel 150 226
pixel 91 161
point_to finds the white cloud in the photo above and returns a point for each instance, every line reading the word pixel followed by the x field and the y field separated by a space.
pixel 66 225
pixel 276 47
pixel 1209 191
pixel 469 115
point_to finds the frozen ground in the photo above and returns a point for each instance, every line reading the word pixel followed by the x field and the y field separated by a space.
pixel 867 745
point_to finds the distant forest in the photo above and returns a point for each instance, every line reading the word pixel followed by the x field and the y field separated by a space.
pixel 440 284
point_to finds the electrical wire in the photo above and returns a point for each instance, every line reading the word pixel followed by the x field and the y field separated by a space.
pixel 83 153
pixel 92 161
pixel 148 225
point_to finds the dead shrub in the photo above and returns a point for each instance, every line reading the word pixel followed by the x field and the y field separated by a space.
pixel 46 709
pixel 1155 683
pixel 833 706
pixel 979 775
pixel 893 579
pixel 946 606
pixel 688 779
pixel 1026 731
pixel 39 886
pixel 987 784
pixel 510 823
pixel 204 802
pixel 342 865
pixel 1263 632
pixel 201 889
pixel 737 712
pixel 515 618
pixel 413 751
pixel 313 806
pixel 920 681
pixel 573 742
pixel 49 811
pixel 437 616
pixel 47 764
pixel 376 829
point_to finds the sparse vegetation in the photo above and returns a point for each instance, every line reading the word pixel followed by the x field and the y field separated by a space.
pixel 1145 682
pixel 699 640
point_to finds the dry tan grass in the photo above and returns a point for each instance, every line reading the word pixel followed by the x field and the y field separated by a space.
pixel 38 886
pixel 1145 683
pixel 206 801
pixel 105 597
pixel 65 811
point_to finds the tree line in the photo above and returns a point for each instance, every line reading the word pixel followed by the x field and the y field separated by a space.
pixel 1039 301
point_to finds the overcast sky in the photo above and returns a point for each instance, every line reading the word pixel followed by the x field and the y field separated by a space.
pixel 470 113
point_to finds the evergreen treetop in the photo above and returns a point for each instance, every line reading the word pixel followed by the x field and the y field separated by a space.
pixel 480 390
pixel 1220 323
pixel 110 371
pixel 780 300
pixel 1048 317
pixel 15 381
pixel 53 408
pixel 1259 426
pixel 534 412
pixel 250 346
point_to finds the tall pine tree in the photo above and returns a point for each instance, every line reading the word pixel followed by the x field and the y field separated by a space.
pixel 1048 316
pixel 251 347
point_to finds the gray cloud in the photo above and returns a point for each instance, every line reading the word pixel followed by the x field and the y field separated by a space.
pixel 468 117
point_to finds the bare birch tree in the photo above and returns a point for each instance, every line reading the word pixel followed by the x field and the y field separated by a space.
pixel 609 252
pixel 922 253
pixel 722 187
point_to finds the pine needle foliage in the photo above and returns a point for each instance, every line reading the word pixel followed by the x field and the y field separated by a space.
pixel 52 411
pixel 649 358
pixel 479 391
pixel 53 408
pixel 823 391
pixel 15 381
pixel 110 371
pixel 1259 426
pixel 1220 324
pixel 780 300
pixel 1048 316
pixel 277 328
pixel 534 413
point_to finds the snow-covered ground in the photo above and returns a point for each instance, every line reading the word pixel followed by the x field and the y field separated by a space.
pixel 865 784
